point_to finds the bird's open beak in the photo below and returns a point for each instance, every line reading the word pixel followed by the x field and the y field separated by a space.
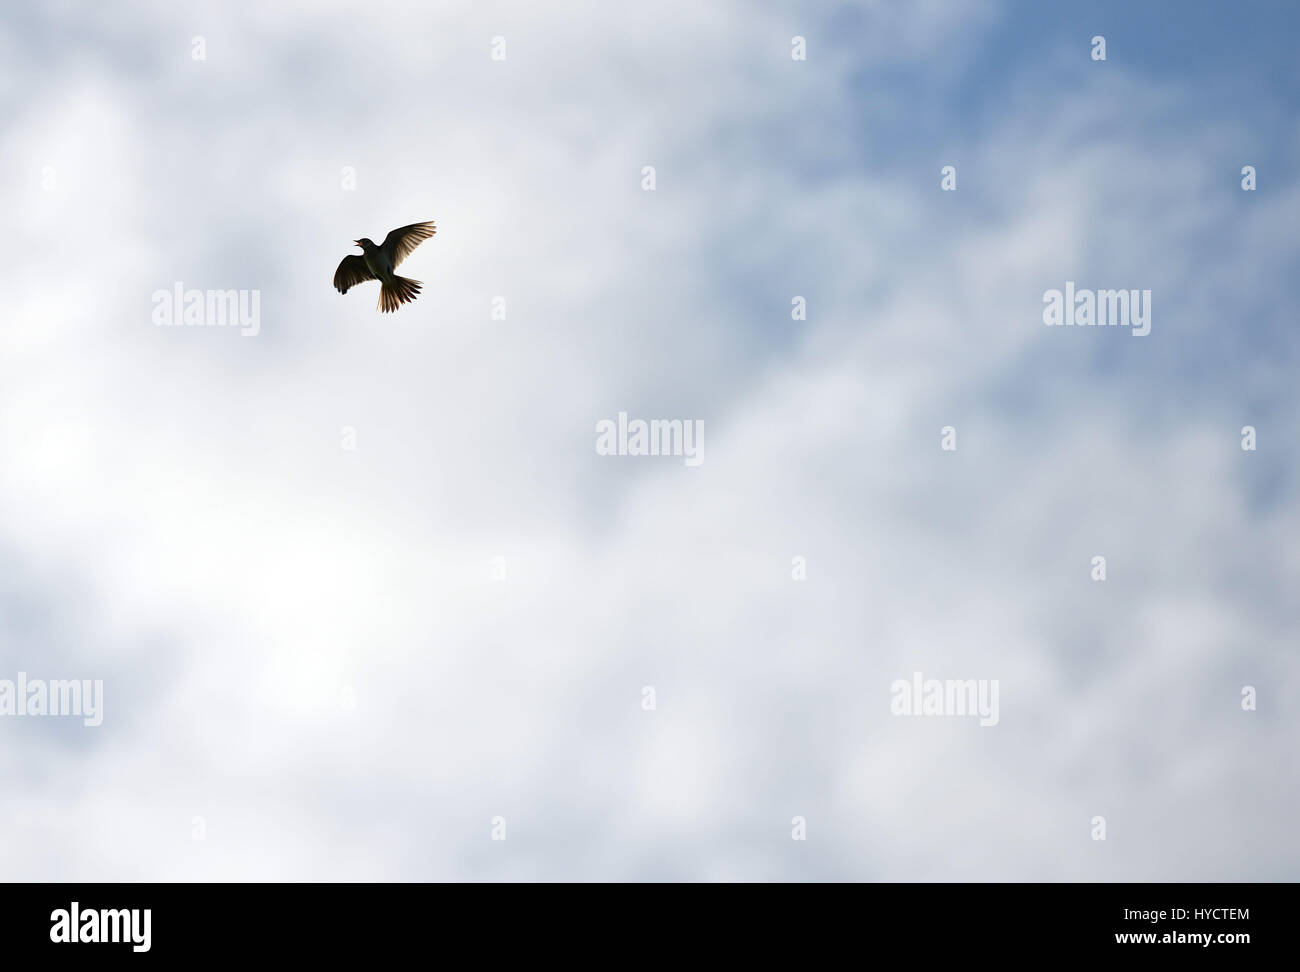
pixel 356 242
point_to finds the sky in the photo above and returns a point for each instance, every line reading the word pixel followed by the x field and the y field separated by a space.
pixel 365 600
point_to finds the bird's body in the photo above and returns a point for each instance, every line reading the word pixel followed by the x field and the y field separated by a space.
pixel 381 262
pixel 376 262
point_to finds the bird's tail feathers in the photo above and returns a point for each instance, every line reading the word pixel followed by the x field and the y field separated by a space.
pixel 401 291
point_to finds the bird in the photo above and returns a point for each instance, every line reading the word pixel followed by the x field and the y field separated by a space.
pixel 380 262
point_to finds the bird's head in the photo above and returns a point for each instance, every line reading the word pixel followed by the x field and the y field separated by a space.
pixel 364 243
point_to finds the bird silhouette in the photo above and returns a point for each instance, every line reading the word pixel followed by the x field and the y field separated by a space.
pixel 380 262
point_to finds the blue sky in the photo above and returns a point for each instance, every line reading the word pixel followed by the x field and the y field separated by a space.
pixel 305 645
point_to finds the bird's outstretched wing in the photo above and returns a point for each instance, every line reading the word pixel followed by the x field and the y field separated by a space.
pixel 351 271
pixel 400 242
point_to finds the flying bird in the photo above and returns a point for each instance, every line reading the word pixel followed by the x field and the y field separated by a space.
pixel 380 262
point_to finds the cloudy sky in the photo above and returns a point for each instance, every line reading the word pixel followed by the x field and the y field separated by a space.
pixel 309 653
